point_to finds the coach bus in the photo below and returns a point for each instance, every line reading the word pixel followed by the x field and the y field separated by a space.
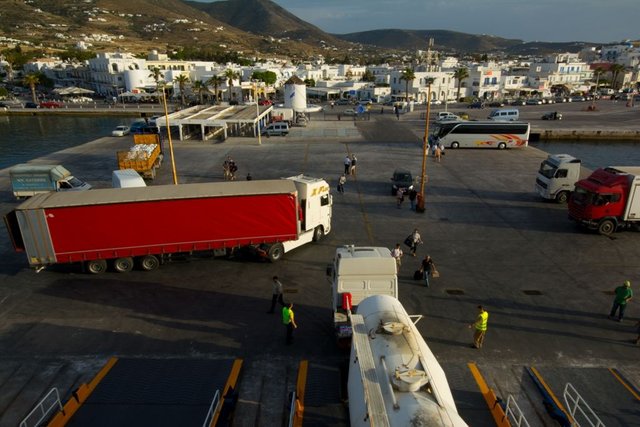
pixel 482 134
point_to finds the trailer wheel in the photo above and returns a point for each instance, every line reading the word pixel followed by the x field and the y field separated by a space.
pixel 562 197
pixel 149 262
pixel 96 266
pixel 502 146
pixel 276 252
pixel 606 227
pixel 123 265
pixel 318 233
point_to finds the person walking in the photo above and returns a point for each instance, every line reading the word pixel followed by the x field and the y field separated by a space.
pixel 354 160
pixel 347 164
pixel 397 254
pixel 341 181
pixel 413 195
pixel 277 294
pixel 399 197
pixel 623 295
pixel 426 267
pixel 289 321
pixel 480 327
pixel 416 240
pixel 438 153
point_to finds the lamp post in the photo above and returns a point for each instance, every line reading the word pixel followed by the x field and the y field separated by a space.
pixel 425 147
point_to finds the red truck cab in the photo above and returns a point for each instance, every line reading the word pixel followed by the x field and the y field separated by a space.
pixel 599 202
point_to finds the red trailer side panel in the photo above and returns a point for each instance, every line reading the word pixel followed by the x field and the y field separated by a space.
pixel 165 226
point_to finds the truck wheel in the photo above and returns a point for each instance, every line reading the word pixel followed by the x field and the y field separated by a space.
pixel 318 233
pixel 123 265
pixel 502 146
pixel 96 266
pixel 562 197
pixel 455 144
pixel 276 252
pixel 606 227
pixel 149 262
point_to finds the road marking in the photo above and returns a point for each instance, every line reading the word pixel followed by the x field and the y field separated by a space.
pixel 625 383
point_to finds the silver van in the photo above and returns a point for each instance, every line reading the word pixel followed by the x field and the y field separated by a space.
pixel 505 114
pixel 276 128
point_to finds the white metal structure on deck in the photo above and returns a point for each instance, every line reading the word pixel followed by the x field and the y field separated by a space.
pixel 579 409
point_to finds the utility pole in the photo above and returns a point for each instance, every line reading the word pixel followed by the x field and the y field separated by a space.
pixel 425 147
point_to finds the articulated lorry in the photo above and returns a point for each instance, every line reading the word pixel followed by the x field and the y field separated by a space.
pixel 146 225
pixel 557 177
pixel 356 273
pixel 28 180
pixel 608 200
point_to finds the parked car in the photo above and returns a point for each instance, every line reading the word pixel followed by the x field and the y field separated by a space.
pixel 50 104
pixel 121 131
pixel 533 101
pixel 477 104
pixel 496 104
pixel 436 102
pixel 349 112
pixel 342 101
pixel 31 105
pixel 401 179
pixel 577 99
pixel 266 102
pixel 553 115
pixel 518 101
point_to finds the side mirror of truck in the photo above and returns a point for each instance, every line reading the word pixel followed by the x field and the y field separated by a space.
pixel 329 270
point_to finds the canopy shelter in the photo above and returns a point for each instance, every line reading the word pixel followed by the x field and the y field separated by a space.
pixel 73 91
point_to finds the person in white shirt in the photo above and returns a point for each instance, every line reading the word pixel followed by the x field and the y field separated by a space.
pixel 397 253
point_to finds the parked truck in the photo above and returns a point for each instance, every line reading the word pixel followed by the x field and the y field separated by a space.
pixel 356 273
pixel 608 200
pixel 557 177
pixel 28 180
pixel 144 157
pixel 146 225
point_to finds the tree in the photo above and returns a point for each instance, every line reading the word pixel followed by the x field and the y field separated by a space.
pixel 616 70
pixel 200 88
pixel 310 82
pixel 460 74
pixel 597 73
pixel 216 82
pixel 32 81
pixel 368 77
pixel 269 77
pixel 157 77
pixel 230 75
pixel 408 75
pixel 182 80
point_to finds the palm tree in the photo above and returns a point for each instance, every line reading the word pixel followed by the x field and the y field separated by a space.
pixel 460 74
pixel 230 75
pixel 200 88
pixel 157 76
pixel 32 81
pixel 616 70
pixel 182 80
pixel 216 82
pixel 408 75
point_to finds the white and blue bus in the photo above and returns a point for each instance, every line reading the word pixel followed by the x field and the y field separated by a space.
pixel 482 134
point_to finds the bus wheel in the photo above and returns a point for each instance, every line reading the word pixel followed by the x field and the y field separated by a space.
pixel 455 144
pixel 276 252
pixel 96 266
pixel 502 146
pixel 606 227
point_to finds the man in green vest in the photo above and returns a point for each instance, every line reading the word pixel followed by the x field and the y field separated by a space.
pixel 289 321
pixel 480 326
pixel 623 295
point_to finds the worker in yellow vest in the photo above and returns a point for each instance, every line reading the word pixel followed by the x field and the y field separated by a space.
pixel 289 321
pixel 480 326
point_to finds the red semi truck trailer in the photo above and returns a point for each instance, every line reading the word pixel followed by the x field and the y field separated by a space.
pixel 608 200
pixel 145 225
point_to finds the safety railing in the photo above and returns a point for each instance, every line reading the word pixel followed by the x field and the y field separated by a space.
pixel 579 409
pixel 292 409
pixel 213 409
pixel 43 409
pixel 514 414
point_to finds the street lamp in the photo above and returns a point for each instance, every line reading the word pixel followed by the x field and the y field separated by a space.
pixel 425 147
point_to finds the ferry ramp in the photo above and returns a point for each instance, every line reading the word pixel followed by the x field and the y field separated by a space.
pixel 321 390
pixel 163 392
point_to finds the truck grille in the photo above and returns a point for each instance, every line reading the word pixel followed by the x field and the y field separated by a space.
pixel 540 183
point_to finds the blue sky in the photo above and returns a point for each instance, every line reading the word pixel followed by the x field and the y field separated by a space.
pixel 529 20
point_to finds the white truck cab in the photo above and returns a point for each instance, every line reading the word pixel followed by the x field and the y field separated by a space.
pixel 557 176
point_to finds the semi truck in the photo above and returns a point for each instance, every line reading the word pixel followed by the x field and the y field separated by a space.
pixel 557 177
pixel 356 273
pixel 145 226
pixel 394 378
pixel 28 180
pixel 608 200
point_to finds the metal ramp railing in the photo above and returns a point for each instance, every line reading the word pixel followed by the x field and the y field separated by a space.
pixel 52 399
pixel 514 414
pixel 214 408
pixel 578 408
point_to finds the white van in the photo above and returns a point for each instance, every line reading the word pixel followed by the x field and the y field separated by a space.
pixel 505 114
pixel 126 178
pixel 445 116
pixel 276 128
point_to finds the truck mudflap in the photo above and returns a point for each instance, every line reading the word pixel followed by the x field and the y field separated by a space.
pixel 11 222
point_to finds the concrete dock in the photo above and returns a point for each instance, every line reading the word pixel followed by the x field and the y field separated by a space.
pixel 546 284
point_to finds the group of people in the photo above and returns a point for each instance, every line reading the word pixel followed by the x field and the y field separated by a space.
pixel 349 169
pixel 229 169
pixel 411 193
pixel 288 317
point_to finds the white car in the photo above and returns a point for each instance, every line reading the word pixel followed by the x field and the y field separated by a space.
pixel 349 112
pixel 121 131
